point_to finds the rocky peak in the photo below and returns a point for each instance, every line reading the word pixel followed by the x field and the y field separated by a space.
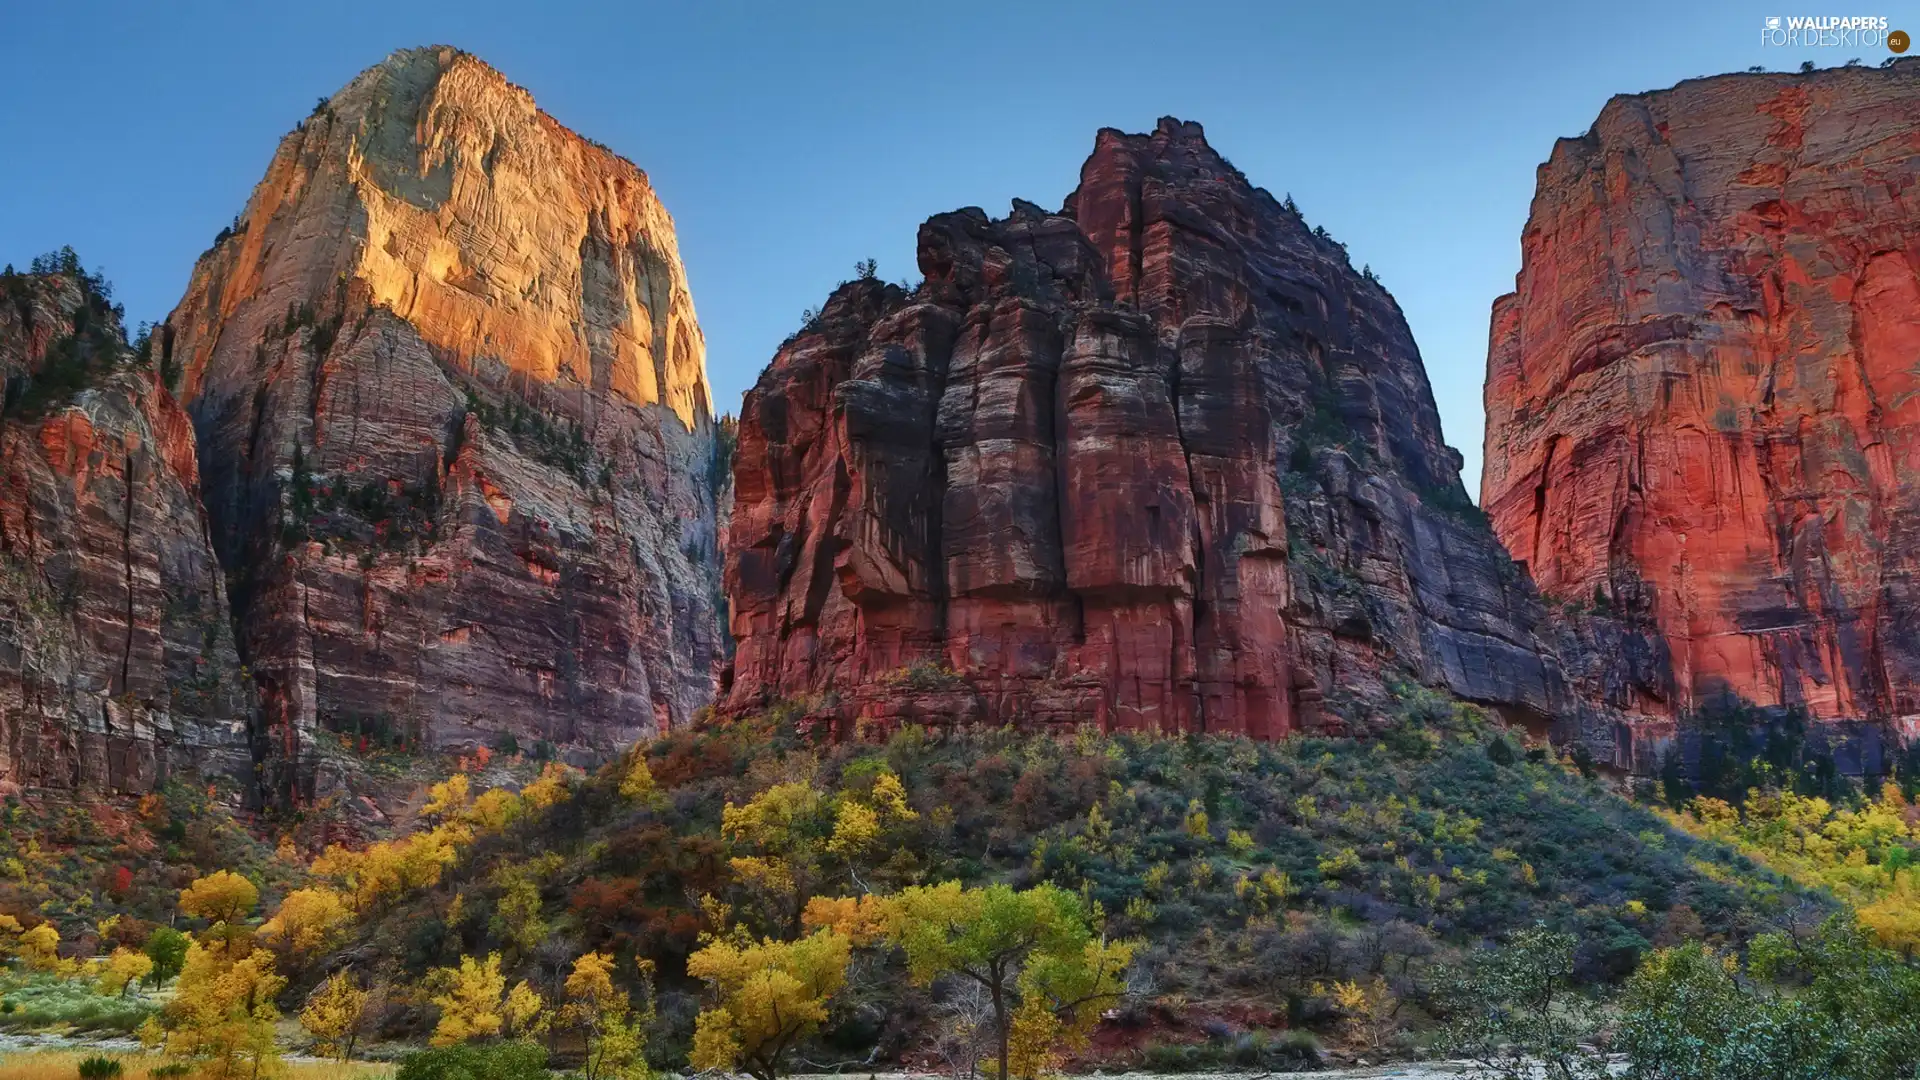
pixel 452 405
pixel 1160 460
pixel 1701 396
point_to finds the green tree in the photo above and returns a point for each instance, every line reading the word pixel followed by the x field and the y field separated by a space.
pixel 1033 951
pixel 1512 1012
pixel 167 948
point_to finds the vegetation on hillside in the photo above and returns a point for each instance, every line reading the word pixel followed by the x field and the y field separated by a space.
pixel 740 897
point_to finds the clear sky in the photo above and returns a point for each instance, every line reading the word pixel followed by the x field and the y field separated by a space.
pixel 790 140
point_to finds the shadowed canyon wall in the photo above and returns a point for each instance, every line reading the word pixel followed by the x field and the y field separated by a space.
pixel 455 430
pixel 117 667
pixel 1161 459
pixel 1703 395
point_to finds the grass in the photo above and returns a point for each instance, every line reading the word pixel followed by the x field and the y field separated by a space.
pixel 139 1065
pixel 34 1002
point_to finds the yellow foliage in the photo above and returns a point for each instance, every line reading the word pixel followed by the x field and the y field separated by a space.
pixel 493 810
pixel 40 947
pixel 221 897
pixel 390 868
pixel 307 921
pixel 862 919
pixel 637 783
pixel 856 826
pixel 333 1013
pixel 553 785
pixel 523 1011
pixel 449 798
pixel 222 1013
pixel 766 997
pixel 468 997
pixel 124 968
pixel 1032 1037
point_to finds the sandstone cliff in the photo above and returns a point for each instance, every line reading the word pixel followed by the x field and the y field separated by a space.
pixel 1703 403
pixel 1161 459
pixel 455 429
pixel 117 666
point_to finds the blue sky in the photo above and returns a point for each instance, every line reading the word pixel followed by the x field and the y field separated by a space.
pixel 791 140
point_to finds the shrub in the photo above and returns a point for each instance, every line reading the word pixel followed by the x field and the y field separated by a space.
pixel 99 1068
pixel 496 1061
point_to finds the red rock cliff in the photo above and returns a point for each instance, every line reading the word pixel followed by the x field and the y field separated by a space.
pixel 1703 402
pixel 117 666
pixel 455 428
pixel 1161 460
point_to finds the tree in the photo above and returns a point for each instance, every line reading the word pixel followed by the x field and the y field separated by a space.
pixel 333 1015
pixel 307 921
pixel 222 1013
pixel 615 1033
pixel 767 997
pixel 167 948
pixel 1034 952
pixel 221 897
pixel 124 968
pixel 1504 1012
pixel 39 946
pixel 475 1003
pixel 468 997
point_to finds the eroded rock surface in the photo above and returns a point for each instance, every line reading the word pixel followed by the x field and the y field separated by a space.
pixel 117 666
pixel 1703 396
pixel 453 413
pixel 1161 459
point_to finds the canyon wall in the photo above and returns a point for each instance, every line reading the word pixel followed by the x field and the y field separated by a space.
pixel 1161 459
pixel 1703 395
pixel 117 665
pixel 455 431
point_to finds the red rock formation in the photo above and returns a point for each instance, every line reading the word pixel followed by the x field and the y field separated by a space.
pixel 1702 397
pixel 1160 460
pixel 117 666
pixel 454 421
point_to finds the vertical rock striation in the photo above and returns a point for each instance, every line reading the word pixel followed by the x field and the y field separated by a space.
pixel 1159 460
pixel 455 429
pixel 117 666
pixel 1703 395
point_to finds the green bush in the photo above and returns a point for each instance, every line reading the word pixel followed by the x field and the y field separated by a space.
pixel 99 1068
pixel 495 1061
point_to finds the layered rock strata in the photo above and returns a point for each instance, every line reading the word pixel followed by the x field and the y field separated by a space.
pixel 1703 396
pixel 117 666
pixel 1161 459
pixel 451 401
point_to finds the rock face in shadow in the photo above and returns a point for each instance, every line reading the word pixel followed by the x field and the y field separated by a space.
pixel 1703 396
pixel 117 666
pixel 1159 460
pixel 455 430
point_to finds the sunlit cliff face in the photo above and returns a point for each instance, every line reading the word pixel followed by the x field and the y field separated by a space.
pixel 1702 398
pixel 496 232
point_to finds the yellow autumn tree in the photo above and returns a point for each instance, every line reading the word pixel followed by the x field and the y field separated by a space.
pixel 122 969
pixel 604 1016
pixel 222 1014
pixel 333 1015
pixel 468 997
pixel 40 947
pixel 448 798
pixel 307 921
pixel 221 897
pixel 554 784
pixel 474 1003
pixel 766 998
pixel 636 783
